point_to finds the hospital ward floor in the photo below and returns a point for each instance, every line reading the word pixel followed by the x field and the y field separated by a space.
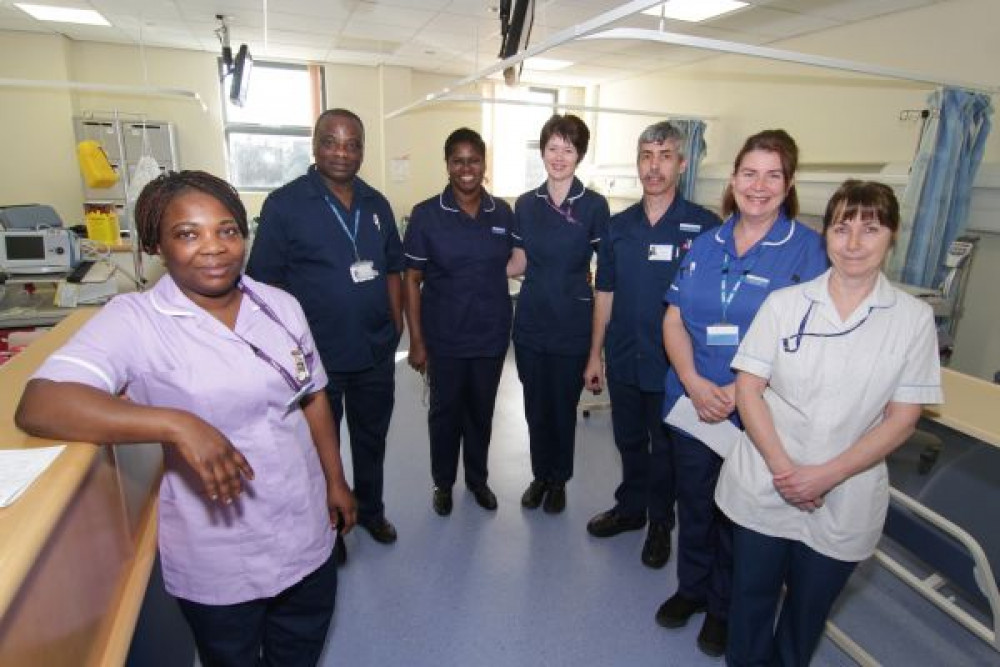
pixel 525 588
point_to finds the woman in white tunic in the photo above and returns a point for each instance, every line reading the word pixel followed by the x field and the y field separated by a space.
pixel 831 379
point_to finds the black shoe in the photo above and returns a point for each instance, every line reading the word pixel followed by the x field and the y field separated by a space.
pixel 555 498
pixel 675 612
pixel 712 638
pixel 656 550
pixel 441 501
pixel 533 495
pixel 339 550
pixel 485 497
pixel 611 523
pixel 380 529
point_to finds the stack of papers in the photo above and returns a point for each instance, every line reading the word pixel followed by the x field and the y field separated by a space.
pixel 20 467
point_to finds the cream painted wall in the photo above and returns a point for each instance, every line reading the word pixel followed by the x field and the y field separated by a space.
pixel 37 129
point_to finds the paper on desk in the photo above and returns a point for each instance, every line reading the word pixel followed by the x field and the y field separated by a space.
pixel 720 437
pixel 20 467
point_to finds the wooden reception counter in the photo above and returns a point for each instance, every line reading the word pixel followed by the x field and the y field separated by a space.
pixel 77 548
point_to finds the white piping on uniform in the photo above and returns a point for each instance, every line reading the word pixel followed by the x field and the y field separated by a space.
pixel 89 366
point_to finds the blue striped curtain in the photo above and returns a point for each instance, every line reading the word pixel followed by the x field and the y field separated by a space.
pixel 694 151
pixel 935 206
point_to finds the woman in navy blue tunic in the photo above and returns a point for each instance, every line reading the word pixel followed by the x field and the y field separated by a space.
pixel 458 311
pixel 559 225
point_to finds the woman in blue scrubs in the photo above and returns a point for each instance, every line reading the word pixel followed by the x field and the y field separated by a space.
pixel 719 287
pixel 559 225
pixel 458 312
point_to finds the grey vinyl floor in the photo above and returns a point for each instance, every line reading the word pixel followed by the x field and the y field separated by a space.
pixel 520 587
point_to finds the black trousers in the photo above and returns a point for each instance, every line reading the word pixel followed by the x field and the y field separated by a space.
pixel 552 384
pixel 287 630
pixel 366 398
pixel 643 440
pixel 463 393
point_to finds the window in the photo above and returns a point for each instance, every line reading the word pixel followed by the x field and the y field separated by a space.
pixel 517 159
pixel 269 139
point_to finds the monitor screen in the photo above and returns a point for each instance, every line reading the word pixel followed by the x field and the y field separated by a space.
pixel 241 76
pixel 25 247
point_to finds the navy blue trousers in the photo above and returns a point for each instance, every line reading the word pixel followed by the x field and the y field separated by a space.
pixel 647 486
pixel 463 393
pixel 287 630
pixel 367 398
pixel 552 384
pixel 705 534
pixel 762 564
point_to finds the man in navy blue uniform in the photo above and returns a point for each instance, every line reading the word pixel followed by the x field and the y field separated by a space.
pixel 331 240
pixel 635 267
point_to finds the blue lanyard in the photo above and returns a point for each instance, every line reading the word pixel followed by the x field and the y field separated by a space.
pixel 792 343
pixel 343 225
pixel 727 297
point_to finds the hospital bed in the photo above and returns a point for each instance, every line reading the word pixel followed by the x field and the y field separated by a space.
pixel 942 532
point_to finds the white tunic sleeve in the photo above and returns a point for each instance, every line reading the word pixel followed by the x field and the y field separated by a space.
pixel 921 378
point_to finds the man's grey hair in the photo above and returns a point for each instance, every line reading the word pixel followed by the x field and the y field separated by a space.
pixel 661 132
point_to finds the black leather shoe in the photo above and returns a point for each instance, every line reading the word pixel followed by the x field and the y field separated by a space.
pixel 611 523
pixel 441 501
pixel 555 498
pixel 339 550
pixel 533 495
pixel 675 612
pixel 712 638
pixel 485 497
pixel 380 529
pixel 656 550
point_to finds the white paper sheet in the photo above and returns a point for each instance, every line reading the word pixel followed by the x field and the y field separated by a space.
pixel 720 437
pixel 20 467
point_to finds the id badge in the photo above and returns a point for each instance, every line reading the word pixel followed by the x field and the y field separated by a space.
pixel 661 252
pixel 301 369
pixel 299 395
pixel 722 334
pixel 363 271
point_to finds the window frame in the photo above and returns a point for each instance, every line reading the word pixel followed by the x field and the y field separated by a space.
pixel 232 127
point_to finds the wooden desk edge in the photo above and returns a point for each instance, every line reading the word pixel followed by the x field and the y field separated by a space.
pixel 118 637
pixel 26 525
pixel 48 497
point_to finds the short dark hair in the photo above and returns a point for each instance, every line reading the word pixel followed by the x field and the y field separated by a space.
pixel 772 141
pixel 158 193
pixel 464 135
pixel 570 128
pixel 869 199
pixel 341 113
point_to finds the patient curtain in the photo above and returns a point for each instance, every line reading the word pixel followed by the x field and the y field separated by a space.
pixel 694 150
pixel 935 206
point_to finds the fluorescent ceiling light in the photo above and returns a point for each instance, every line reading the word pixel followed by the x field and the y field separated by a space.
pixel 63 14
pixel 546 64
pixel 694 10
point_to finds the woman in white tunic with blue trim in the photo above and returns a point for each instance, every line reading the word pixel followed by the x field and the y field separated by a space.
pixel 831 379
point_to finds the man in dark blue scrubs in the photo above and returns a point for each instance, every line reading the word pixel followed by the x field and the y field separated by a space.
pixel 635 267
pixel 331 240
